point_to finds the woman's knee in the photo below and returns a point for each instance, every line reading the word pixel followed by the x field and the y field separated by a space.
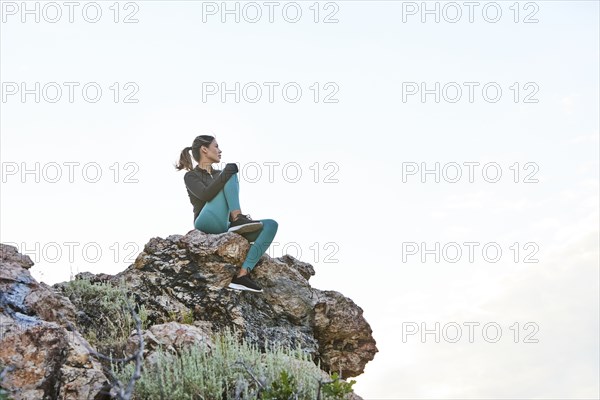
pixel 233 180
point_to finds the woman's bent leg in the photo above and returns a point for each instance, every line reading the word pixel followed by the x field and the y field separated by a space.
pixel 214 217
pixel 232 193
pixel 262 240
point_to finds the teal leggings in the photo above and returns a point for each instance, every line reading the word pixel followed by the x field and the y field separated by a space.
pixel 214 218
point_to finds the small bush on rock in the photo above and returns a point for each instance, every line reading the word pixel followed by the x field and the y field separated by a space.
pixel 234 370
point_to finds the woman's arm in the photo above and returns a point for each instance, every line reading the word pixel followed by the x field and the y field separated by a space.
pixel 205 193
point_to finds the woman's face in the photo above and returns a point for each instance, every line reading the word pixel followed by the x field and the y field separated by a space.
pixel 212 153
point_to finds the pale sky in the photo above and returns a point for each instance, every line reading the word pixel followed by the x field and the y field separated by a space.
pixel 369 127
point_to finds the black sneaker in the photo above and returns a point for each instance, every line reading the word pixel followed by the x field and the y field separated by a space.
pixel 244 283
pixel 244 224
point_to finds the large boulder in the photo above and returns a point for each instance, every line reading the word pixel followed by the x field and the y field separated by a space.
pixel 189 274
pixel 171 337
pixel 41 358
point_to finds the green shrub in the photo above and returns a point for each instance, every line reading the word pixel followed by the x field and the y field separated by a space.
pixel 283 388
pixel 231 370
pixel 184 317
pixel 107 323
pixel 338 389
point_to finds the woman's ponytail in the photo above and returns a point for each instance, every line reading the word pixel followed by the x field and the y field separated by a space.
pixel 185 160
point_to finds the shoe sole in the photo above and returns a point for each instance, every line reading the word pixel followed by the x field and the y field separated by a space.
pixel 242 287
pixel 251 227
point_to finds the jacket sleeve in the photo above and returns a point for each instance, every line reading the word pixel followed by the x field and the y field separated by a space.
pixel 206 193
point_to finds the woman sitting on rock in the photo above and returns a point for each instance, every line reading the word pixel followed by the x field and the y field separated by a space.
pixel 215 197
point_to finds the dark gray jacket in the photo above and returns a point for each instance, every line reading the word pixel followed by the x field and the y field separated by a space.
pixel 203 186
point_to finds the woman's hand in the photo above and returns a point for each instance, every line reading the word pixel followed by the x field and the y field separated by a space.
pixel 231 168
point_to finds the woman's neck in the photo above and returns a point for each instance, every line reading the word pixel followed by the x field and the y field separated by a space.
pixel 206 167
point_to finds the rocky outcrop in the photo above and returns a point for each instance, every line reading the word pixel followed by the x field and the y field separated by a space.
pixel 46 360
pixel 190 273
pixel 181 275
